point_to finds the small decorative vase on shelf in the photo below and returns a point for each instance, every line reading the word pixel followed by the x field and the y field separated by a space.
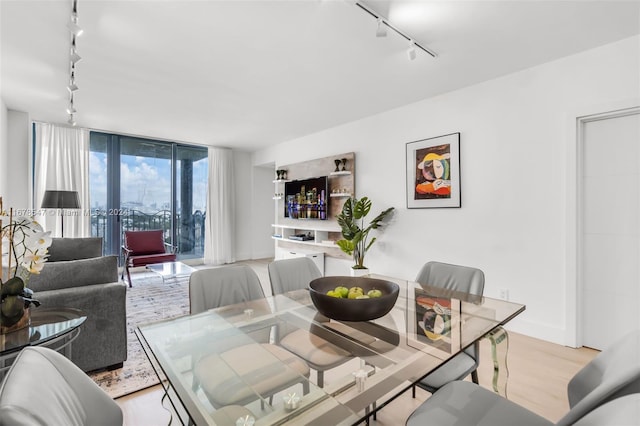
pixel 337 161
pixel 344 164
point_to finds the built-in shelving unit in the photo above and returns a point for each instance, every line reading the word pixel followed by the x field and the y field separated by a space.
pixel 322 236
pixel 322 233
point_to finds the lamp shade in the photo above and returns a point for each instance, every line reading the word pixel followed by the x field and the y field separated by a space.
pixel 60 200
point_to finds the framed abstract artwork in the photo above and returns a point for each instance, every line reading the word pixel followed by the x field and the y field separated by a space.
pixel 433 324
pixel 433 172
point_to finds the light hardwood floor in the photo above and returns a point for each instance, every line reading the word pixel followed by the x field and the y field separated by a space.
pixel 538 375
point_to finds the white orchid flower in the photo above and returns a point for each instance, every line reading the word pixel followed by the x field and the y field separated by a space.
pixel 38 241
pixel 34 262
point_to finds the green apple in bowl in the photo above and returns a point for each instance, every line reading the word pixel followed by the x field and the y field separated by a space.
pixel 354 292
pixel 342 290
pixel 374 292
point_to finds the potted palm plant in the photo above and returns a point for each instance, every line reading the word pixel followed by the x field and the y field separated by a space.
pixel 355 234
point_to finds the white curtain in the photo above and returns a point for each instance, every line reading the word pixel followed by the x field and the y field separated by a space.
pixel 61 163
pixel 219 244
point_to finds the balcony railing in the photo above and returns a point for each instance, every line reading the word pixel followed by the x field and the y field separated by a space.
pixel 189 232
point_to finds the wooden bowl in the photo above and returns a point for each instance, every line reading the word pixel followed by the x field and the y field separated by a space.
pixel 353 309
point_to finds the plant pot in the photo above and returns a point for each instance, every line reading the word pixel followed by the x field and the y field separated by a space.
pixel 359 272
pixel 23 322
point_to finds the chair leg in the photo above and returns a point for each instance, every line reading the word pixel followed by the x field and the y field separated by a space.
pixel 474 377
pixel 305 387
pixel 320 379
pixel 128 275
pixel 413 391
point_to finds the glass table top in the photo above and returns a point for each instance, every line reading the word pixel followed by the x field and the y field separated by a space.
pixel 227 361
pixel 171 269
pixel 47 323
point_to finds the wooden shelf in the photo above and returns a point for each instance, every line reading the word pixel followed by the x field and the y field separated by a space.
pixel 281 180
pixel 339 194
pixel 341 173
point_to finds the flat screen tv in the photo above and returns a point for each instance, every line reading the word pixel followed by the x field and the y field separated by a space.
pixel 306 198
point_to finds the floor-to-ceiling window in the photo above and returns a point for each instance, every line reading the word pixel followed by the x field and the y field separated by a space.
pixel 141 184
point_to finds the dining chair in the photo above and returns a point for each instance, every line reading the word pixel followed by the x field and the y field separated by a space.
pixel 44 387
pixel 613 374
pixel 461 279
pixel 321 355
pixel 292 274
pixel 221 375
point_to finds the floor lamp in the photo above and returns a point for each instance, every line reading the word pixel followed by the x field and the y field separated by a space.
pixel 60 200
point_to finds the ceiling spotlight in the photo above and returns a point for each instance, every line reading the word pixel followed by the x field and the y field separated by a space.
pixel 75 28
pixel 71 109
pixel 411 51
pixel 74 57
pixel 72 87
pixel 71 120
pixel 381 31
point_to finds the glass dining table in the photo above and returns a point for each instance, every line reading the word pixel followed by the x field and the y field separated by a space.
pixel 246 380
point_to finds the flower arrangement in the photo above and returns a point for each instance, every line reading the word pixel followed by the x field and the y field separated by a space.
pixel 26 252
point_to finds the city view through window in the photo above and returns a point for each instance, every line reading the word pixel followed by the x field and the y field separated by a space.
pixel 142 184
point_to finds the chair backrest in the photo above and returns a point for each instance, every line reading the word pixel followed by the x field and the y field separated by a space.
pixel 459 278
pixel 292 274
pixel 452 277
pixel 615 372
pixel 62 249
pixel 226 285
pixel 145 242
pixel 621 411
pixel 44 387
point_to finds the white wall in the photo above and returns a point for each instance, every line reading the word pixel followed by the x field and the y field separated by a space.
pixel 515 164
pixel 18 170
pixel 260 220
pixel 254 205
pixel 4 148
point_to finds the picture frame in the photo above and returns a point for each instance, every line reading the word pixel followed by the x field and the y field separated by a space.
pixel 442 336
pixel 433 172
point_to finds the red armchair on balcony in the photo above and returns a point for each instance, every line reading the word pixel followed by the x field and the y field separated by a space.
pixel 143 248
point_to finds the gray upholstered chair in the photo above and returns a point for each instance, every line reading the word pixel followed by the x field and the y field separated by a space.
pixel 63 249
pixel 321 355
pixel 461 279
pixel 219 374
pixel 620 411
pixel 228 285
pixel 614 373
pixel 77 275
pixel 42 387
pixel 292 274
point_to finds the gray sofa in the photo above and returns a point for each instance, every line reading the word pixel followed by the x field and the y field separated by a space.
pixel 78 276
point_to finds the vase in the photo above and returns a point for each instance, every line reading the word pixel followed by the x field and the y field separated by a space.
pixel 23 322
pixel 359 272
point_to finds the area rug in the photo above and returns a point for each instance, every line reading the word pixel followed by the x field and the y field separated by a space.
pixel 150 299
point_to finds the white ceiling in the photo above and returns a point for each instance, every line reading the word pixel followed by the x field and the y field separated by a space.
pixel 248 74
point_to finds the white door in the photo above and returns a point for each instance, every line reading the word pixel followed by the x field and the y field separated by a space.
pixel 610 231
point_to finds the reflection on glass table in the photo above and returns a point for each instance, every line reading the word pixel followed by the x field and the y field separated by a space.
pixel 388 355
